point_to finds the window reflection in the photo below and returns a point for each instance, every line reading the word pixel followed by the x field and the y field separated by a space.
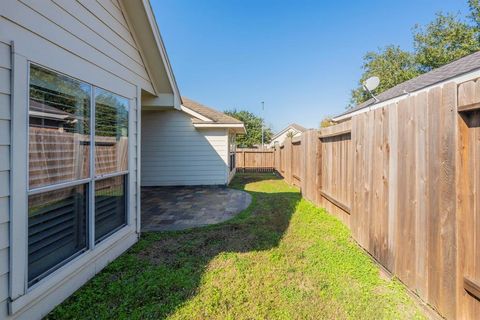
pixel 59 131
pixel 110 206
pixel 111 132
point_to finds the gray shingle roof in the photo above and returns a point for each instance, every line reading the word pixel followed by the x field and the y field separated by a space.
pixel 448 71
pixel 298 127
pixel 291 125
pixel 214 115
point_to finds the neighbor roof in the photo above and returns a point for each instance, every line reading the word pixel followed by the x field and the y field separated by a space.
pixel 298 127
pixel 448 71
pixel 291 125
pixel 212 114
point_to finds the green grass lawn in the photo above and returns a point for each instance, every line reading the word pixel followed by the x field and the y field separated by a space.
pixel 283 258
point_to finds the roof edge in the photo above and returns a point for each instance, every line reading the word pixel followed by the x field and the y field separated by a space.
pixel 195 114
pixel 149 23
pixel 462 77
pixel 283 131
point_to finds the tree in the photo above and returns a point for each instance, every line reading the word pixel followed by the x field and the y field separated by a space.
pixel 474 6
pixel 442 41
pixel 391 64
pixel 253 125
pixel 326 122
pixel 445 39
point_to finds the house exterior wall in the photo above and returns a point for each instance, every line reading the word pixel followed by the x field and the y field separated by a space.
pixel 5 69
pixel 174 152
pixel 94 31
pixel 87 40
pixel 281 138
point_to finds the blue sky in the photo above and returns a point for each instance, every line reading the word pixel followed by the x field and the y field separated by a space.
pixel 301 57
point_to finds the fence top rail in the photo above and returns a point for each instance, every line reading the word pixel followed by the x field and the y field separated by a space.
pixel 336 130
pixel 255 150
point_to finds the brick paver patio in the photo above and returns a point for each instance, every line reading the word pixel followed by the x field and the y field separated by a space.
pixel 177 208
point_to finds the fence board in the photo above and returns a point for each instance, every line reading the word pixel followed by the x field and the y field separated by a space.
pixel 255 160
pixel 409 175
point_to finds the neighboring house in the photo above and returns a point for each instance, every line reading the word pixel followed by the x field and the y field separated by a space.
pixel 292 130
pixel 191 146
pixel 74 76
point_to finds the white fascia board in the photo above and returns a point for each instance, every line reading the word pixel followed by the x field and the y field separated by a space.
pixel 162 100
pixel 194 113
pixel 144 5
pixel 238 127
pixel 458 79
pixel 163 51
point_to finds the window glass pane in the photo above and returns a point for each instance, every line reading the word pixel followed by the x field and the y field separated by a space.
pixel 59 132
pixel 111 132
pixel 57 229
pixel 110 206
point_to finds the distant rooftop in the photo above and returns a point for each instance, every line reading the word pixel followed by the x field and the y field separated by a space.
pixel 291 125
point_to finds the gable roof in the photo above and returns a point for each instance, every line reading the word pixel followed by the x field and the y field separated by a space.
pixel 446 72
pixel 292 126
pixel 298 127
pixel 144 28
pixel 211 114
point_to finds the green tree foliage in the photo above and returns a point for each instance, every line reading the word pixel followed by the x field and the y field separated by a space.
pixel 326 122
pixel 391 64
pixel 253 124
pixel 444 40
pixel 474 6
pixel 111 117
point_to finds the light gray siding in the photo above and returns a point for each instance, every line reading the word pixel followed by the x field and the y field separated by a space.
pixel 84 28
pixel 176 153
pixel 5 66
pixel 88 40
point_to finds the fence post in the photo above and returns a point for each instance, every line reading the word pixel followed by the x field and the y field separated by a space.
pixel 318 162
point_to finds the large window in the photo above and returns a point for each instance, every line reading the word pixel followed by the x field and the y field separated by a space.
pixel 78 169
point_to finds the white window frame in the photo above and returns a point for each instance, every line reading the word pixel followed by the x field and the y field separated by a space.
pixel 20 294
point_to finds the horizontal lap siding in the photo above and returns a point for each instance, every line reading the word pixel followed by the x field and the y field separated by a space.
pixel 85 29
pixel 175 153
pixel 5 66
pixel 84 39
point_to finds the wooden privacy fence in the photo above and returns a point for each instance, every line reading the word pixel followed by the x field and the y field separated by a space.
pixel 255 160
pixel 405 178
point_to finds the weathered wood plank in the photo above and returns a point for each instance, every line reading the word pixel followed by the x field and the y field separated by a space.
pixel 421 219
pixel 447 210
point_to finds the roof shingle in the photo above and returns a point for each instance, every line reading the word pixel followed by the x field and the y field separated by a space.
pixel 214 115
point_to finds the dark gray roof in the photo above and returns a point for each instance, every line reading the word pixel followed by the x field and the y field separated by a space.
pixel 448 71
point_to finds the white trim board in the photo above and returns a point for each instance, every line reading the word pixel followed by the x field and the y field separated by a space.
pixel 239 126
pixel 194 113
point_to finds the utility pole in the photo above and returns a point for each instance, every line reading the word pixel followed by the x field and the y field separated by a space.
pixel 263 135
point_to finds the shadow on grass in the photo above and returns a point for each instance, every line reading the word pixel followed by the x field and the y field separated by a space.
pixel 164 270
